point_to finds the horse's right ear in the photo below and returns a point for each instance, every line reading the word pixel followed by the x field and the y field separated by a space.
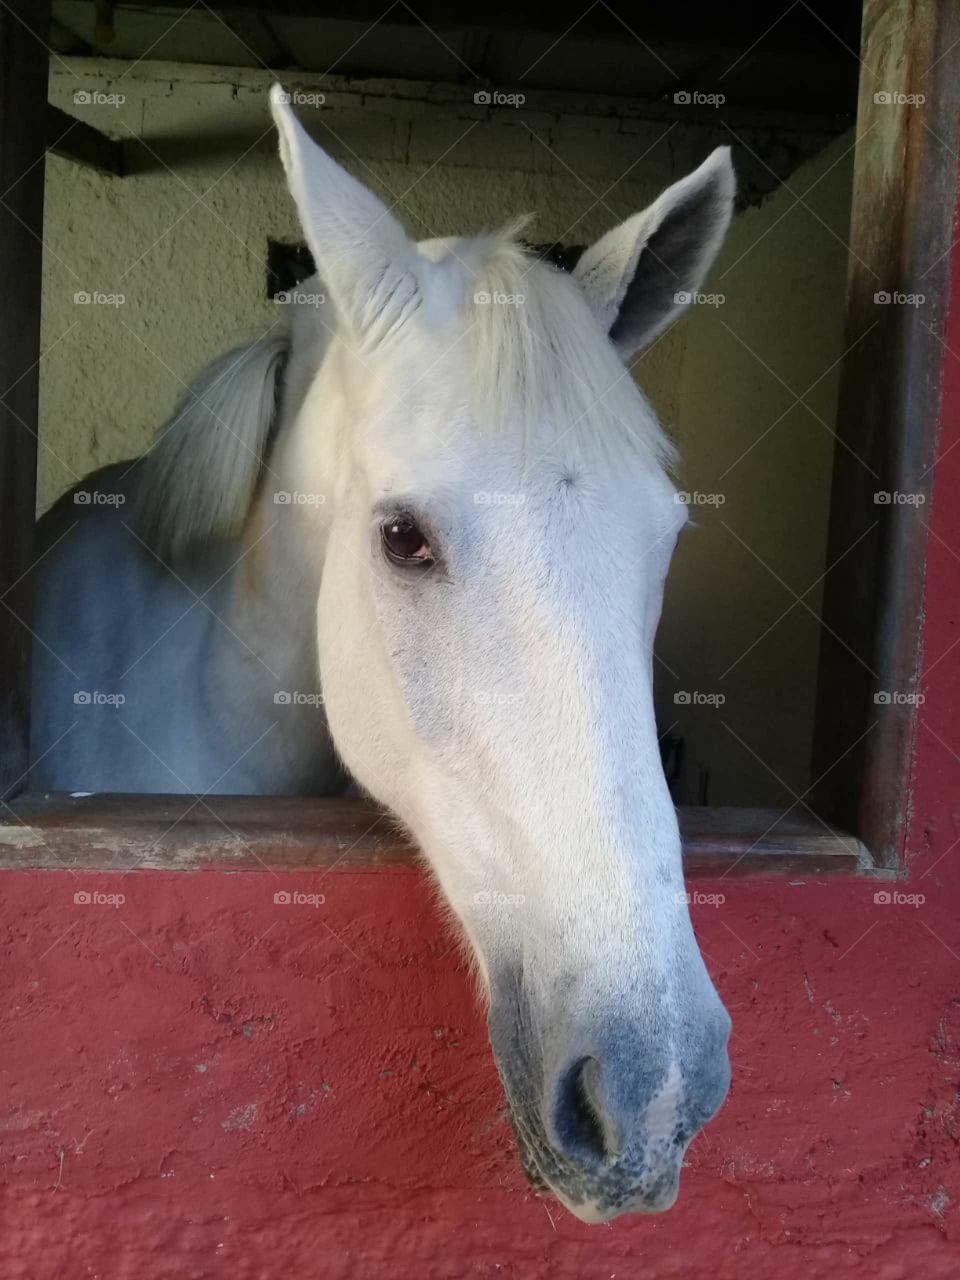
pixel 363 255
pixel 640 276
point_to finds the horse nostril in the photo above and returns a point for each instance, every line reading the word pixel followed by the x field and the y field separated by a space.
pixel 579 1122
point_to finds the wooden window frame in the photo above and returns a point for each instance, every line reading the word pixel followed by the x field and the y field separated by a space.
pixel 888 417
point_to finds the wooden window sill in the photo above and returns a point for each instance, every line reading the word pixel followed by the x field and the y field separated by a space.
pixel 248 833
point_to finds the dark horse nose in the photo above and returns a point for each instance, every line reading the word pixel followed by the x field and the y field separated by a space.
pixel 622 1118
pixel 604 1102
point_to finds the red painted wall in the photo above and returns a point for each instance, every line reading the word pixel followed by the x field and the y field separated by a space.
pixel 200 1083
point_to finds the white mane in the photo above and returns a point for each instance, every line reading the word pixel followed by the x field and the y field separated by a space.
pixel 543 361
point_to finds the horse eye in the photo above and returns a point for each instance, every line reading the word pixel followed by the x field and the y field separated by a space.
pixel 404 543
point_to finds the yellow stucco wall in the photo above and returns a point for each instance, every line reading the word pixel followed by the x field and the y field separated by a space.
pixel 184 244
pixel 732 624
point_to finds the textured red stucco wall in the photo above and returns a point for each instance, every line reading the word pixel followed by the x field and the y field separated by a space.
pixel 200 1083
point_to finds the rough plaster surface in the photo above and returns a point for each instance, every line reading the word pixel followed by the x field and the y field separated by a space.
pixel 185 245
pixel 199 1083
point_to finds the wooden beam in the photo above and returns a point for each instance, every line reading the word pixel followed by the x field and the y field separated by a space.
pixel 78 141
pixel 23 96
pixel 904 201
pixel 250 833
pixel 821 26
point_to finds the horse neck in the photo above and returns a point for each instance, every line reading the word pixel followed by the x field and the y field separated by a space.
pixel 276 583
pixel 272 587
pixel 281 553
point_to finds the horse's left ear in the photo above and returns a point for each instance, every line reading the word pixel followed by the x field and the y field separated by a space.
pixel 639 276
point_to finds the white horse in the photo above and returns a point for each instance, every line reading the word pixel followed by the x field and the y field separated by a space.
pixel 477 572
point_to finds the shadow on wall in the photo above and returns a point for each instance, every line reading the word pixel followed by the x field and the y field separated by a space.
pixel 758 380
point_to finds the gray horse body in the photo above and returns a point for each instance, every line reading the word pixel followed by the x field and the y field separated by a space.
pixel 189 677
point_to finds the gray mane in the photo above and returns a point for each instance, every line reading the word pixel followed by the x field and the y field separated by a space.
pixel 198 480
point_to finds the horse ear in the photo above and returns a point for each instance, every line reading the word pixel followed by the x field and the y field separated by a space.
pixel 639 276
pixel 363 255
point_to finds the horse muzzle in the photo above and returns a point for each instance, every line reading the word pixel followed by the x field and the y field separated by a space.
pixel 606 1127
